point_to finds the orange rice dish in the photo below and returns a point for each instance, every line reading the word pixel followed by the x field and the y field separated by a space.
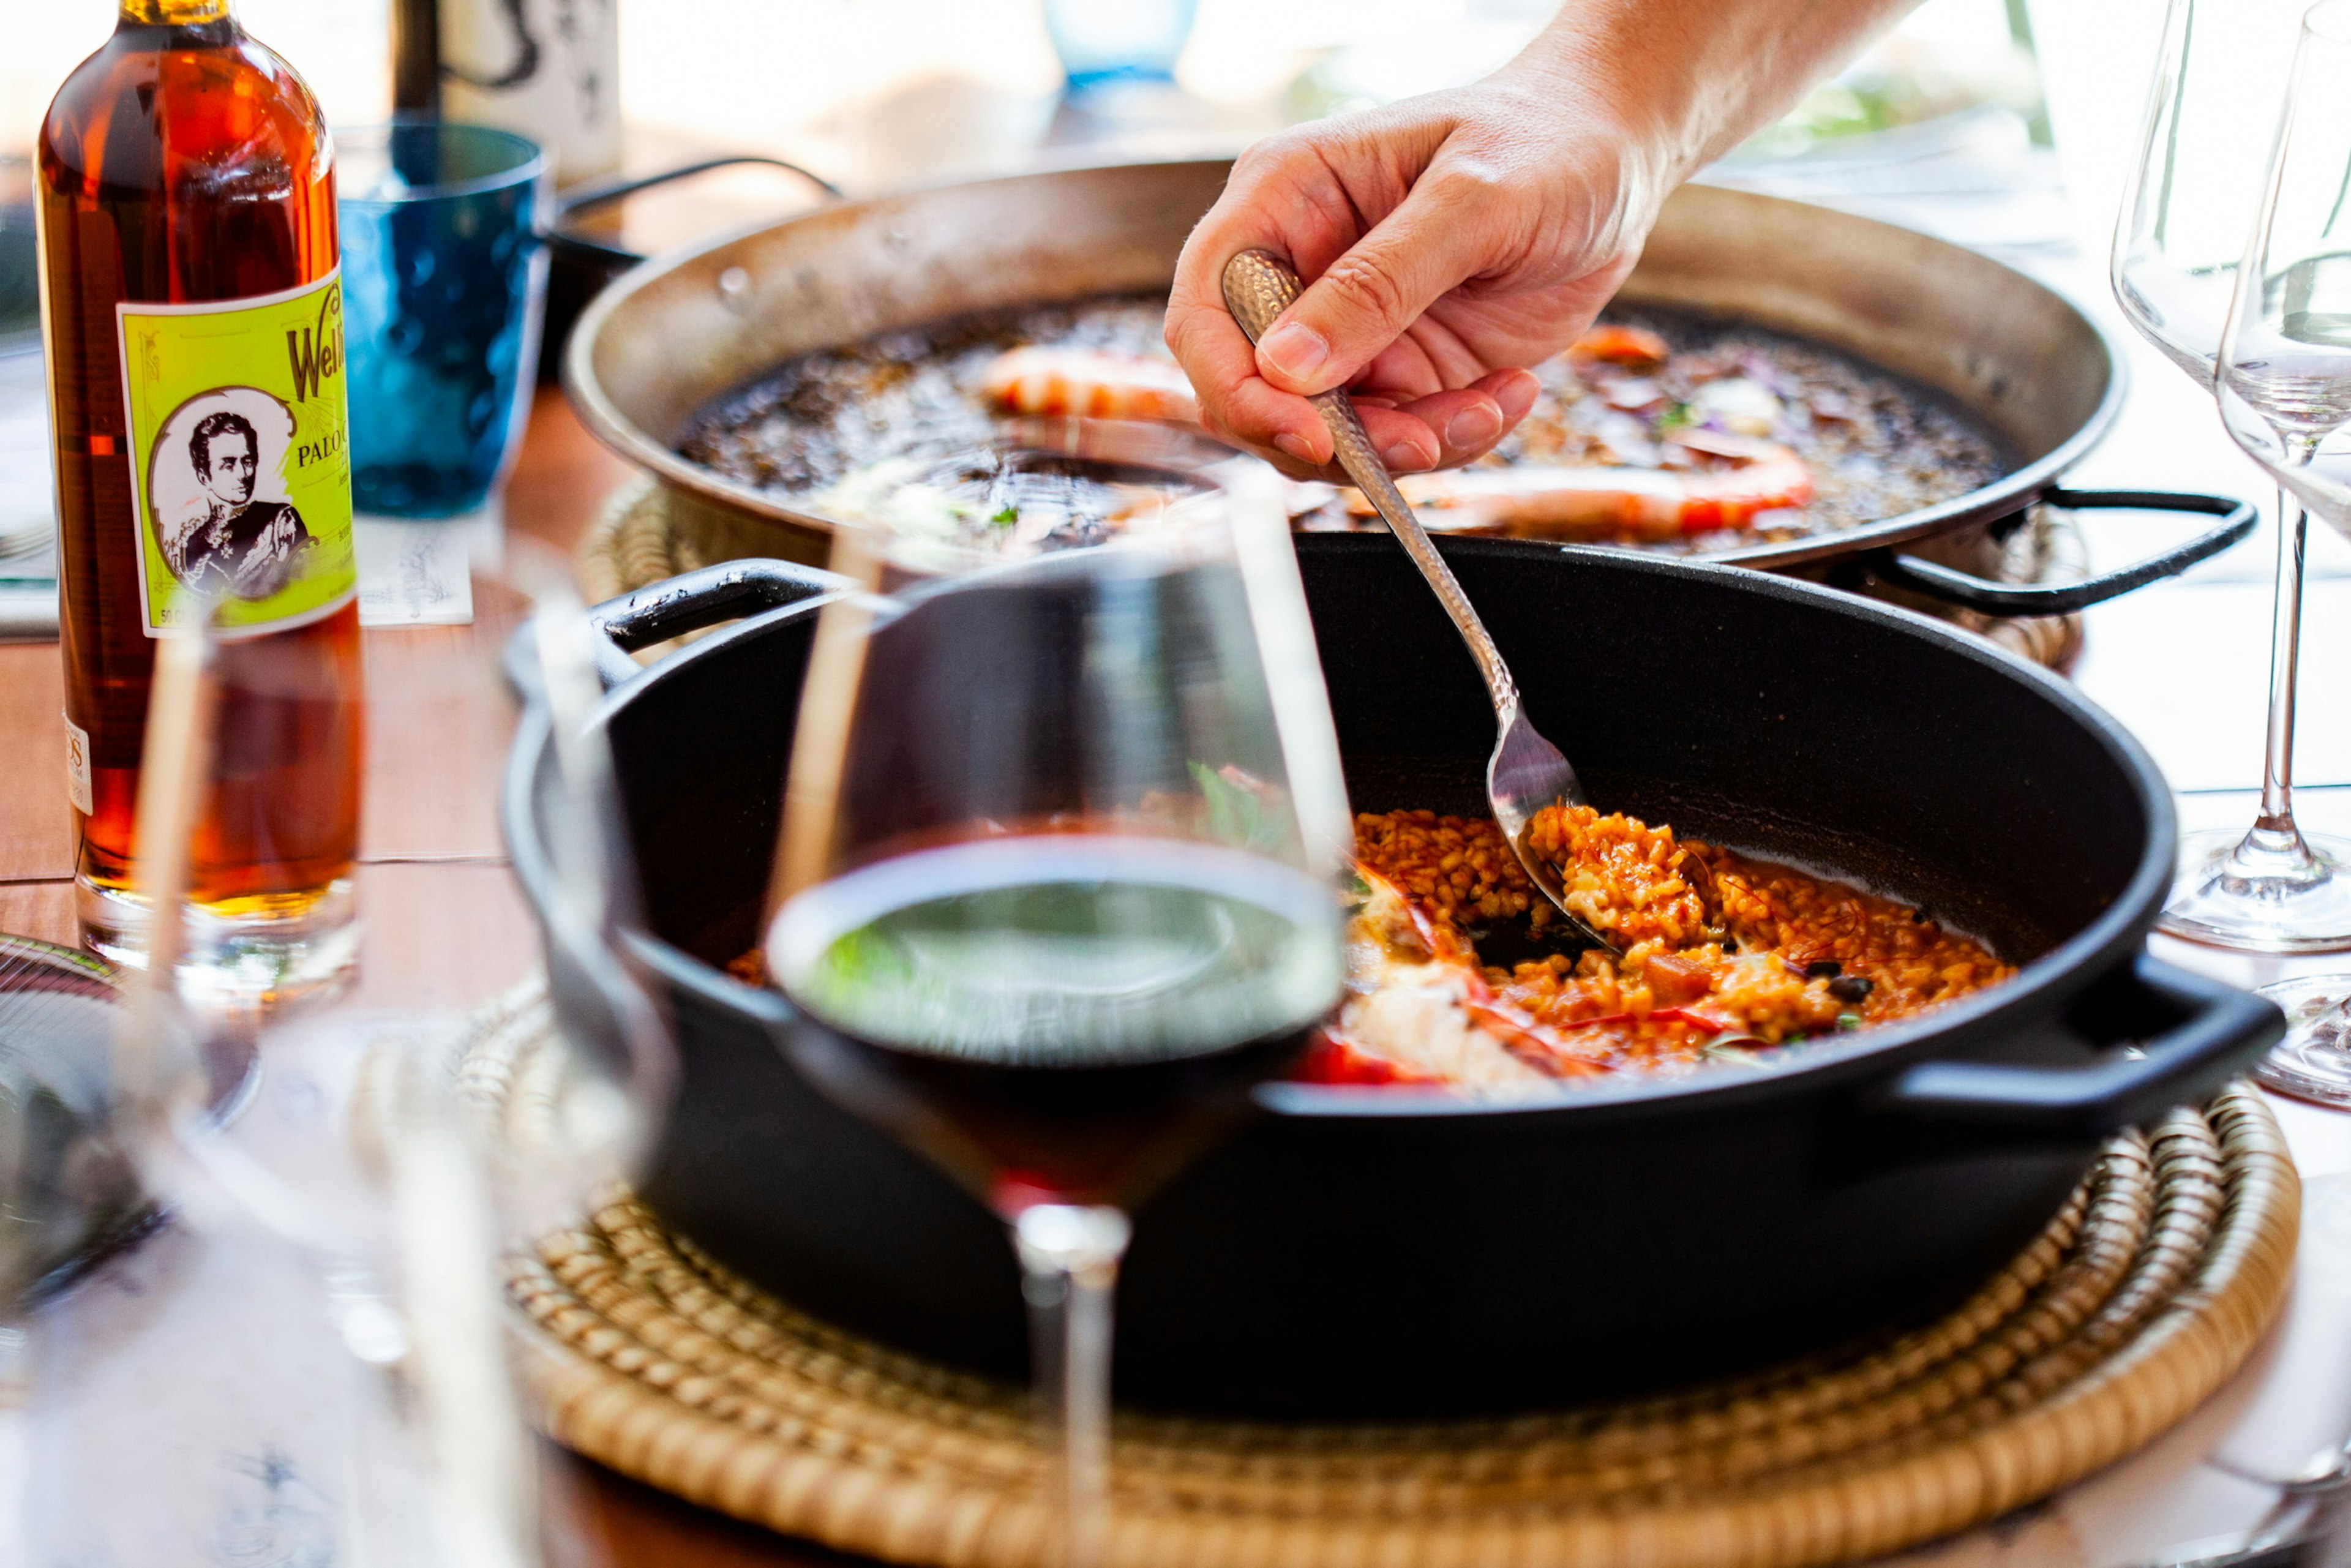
pixel 1720 956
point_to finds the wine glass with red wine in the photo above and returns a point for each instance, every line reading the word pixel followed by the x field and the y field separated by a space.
pixel 1057 878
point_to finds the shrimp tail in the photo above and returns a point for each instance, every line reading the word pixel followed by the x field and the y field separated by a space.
pixel 1042 380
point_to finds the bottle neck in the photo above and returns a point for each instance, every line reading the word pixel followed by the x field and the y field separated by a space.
pixel 175 13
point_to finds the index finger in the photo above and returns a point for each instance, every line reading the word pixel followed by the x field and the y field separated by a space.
pixel 1235 400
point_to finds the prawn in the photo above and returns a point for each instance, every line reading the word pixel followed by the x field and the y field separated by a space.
pixel 1636 347
pixel 1400 932
pixel 1094 383
pixel 1591 502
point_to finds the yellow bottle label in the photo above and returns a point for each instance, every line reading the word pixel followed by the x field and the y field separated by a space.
pixel 240 456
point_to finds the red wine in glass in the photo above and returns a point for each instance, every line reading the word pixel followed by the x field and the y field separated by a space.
pixel 1060 850
pixel 1057 1016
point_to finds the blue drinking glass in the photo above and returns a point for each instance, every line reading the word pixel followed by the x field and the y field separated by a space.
pixel 444 282
pixel 1104 42
pixel 20 304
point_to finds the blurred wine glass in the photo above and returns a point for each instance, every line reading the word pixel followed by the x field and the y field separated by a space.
pixel 347 1134
pixel 66 1189
pixel 1057 891
pixel 2284 385
pixel 69 1196
pixel 2177 251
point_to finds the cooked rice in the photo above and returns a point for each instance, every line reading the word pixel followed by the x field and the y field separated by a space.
pixel 1719 951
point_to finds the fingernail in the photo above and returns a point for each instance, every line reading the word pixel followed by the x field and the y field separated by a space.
pixel 1474 427
pixel 1404 457
pixel 1294 447
pixel 1518 395
pixel 1296 350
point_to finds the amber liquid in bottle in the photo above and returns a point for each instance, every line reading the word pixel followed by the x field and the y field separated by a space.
pixel 183 163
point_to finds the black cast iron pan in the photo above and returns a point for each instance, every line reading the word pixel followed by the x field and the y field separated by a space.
pixel 1357 1251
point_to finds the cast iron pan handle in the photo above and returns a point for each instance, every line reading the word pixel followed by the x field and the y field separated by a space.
pixel 1969 592
pixel 597 193
pixel 691 600
pixel 2217 1032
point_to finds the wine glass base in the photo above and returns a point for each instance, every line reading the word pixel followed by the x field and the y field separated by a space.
pixel 2233 894
pixel 2314 1061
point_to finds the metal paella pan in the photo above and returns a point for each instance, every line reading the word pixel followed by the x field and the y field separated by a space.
pixel 2011 357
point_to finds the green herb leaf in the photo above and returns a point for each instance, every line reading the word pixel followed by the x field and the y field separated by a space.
pixel 1006 516
pixel 1235 815
pixel 1241 810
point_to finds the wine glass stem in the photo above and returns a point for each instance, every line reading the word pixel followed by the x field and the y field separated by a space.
pixel 2285 653
pixel 1069 1261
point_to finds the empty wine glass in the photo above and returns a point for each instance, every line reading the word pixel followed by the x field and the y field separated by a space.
pixel 2284 385
pixel 2182 229
pixel 2178 248
pixel 1059 889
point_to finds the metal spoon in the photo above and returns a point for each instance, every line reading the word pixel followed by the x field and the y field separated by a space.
pixel 1526 772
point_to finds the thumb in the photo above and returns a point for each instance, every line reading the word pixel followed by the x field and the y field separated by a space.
pixel 1365 299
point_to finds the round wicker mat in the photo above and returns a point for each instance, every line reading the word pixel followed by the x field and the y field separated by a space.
pixel 640 537
pixel 2145 1293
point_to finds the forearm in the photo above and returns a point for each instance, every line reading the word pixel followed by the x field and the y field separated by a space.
pixel 1693 78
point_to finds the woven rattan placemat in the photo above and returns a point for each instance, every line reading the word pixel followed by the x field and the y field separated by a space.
pixel 641 537
pixel 2143 1295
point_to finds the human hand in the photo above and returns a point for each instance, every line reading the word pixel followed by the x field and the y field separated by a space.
pixel 1451 241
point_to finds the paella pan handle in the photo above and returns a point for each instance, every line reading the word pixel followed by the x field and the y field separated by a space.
pixel 599 192
pixel 1969 592
pixel 691 600
pixel 2205 1034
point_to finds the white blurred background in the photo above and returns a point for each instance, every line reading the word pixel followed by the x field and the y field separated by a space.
pixel 874 93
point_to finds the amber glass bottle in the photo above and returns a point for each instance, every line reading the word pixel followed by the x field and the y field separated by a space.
pixel 186 206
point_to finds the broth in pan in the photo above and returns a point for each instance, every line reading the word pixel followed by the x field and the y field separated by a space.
pixel 1661 432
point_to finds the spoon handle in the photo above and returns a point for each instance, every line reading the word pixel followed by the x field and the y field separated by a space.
pixel 1259 287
